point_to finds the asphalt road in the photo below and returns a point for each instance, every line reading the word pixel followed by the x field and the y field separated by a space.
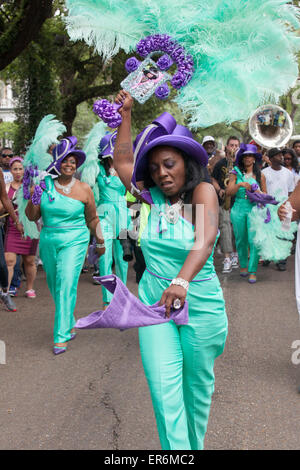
pixel 95 395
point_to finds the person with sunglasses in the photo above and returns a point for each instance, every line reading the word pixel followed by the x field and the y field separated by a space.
pixel 6 156
pixel 290 161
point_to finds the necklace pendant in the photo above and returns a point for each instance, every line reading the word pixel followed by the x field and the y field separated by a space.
pixel 172 213
pixel 66 189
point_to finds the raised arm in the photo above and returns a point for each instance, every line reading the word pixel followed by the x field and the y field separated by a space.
pixel 123 152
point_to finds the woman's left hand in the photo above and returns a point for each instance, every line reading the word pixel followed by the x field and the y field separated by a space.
pixel 172 293
pixel 20 228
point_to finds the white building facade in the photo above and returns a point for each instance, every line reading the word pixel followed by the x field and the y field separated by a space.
pixel 7 103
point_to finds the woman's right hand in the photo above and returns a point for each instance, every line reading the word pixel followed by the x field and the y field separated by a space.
pixel 283 212
pixel 245 185
pixel 125 99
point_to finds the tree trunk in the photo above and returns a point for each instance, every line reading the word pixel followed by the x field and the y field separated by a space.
pixel 16 34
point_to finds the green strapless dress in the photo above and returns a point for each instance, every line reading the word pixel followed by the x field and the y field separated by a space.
pixel 63 245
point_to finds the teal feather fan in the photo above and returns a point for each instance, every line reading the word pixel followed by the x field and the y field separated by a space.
pixel 272 243
pixel 244 51
pixel 90 168
pixel 47 133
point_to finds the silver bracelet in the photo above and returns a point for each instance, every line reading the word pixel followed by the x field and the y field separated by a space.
pixel 100 245
pixel 178 281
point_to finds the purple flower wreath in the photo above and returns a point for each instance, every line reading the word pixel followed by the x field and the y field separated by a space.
pixel 173 53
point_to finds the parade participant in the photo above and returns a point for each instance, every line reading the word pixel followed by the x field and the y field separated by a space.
pixel 113 213
pixel 99 173
pixel 296 148
pixel 68 212
pixel 4 295
pixel 280 183
pixel 290 161
pixel 179 266
pixel 220 178
pixel 14 243
pixel 6 156
pixel 209 144
pixel 246 172
pixel 293 214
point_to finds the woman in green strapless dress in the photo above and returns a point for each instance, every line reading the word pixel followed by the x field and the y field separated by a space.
pixel 68 212
pixel 178 250
pixel 114 216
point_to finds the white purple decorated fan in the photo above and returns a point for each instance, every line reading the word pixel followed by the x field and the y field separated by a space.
pixel 150 77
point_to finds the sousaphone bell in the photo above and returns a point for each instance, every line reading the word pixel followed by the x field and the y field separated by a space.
pixel 270 126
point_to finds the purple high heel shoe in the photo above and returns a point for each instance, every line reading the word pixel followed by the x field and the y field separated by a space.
pixel 59 350
pixel 252 281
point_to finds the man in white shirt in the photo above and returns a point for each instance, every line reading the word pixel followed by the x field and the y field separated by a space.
pixel 280 181
pixel 280 184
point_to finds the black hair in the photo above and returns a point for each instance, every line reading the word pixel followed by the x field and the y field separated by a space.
pixel 256 168
pixel 151 70
pixel 232 137
pixel 194 175
pixel 295 164
pixel 106 163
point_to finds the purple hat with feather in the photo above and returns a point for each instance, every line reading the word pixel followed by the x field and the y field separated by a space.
pixel 65 148
pixel 107 144
pixel 247 149
pixel 164 131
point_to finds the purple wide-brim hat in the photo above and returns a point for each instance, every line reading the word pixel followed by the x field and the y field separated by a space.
pixel 164 131
pixel 247 149
pixel 64 149
pixel 107 145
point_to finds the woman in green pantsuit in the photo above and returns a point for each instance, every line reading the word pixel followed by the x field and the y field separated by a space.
pixel 246 175
pixel 113 213
pixel 68 212
pixel 169 172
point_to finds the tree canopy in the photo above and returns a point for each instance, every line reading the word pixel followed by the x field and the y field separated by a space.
pixel 20 22
pixel 52 74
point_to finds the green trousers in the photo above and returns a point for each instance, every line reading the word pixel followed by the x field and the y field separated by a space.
pixel 244 245
pixel 63 253
pixel 113 251
pixel 179 366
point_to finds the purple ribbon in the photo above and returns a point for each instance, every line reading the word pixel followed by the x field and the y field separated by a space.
pixel 261 200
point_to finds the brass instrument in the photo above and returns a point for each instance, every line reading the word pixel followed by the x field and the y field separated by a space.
pixel 230 163
pixel 270 126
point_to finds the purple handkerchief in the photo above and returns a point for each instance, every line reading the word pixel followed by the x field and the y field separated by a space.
pixel 127 311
